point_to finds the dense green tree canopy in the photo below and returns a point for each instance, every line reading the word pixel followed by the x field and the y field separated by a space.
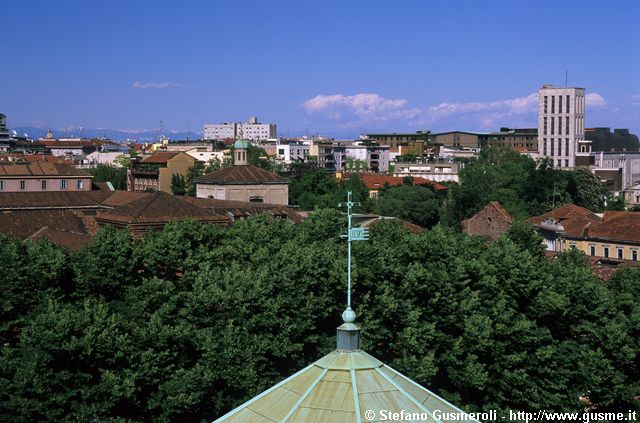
pixel 188 322
pixel 107 173
pixel 525 188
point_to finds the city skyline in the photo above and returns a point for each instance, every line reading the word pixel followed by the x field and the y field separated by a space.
pixel 330 68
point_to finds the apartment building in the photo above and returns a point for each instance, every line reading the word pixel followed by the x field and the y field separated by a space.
pixel 251 130
pixel 42 176
pixel 561 136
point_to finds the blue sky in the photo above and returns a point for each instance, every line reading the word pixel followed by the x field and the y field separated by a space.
pixel 331 67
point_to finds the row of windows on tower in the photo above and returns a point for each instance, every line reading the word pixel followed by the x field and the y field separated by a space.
pixel 44 185
pixel 557 100
pixel 553 103
pixel 552 144
pixel 551 129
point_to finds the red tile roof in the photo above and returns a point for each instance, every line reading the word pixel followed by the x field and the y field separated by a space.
pixel 53 200
pixel 160 157
pixel 241 175
pixel 581 223
pixel 39 169
pixel 241 209
pixel 63 227
pixel 157 207
pixel 376 181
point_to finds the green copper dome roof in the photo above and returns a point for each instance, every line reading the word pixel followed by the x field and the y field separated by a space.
pixel 241 143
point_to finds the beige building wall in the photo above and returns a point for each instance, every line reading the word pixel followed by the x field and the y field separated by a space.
pixel 179 164
pixel 600 246
pixel 270 193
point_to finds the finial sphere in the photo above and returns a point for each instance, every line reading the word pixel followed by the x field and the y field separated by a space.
pixel 349 316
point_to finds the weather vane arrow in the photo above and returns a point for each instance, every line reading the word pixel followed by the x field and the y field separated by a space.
pixel 353 234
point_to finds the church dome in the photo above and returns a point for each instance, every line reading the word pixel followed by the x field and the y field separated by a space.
pixel 241 144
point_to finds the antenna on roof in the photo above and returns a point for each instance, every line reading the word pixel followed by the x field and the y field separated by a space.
pixel 353 234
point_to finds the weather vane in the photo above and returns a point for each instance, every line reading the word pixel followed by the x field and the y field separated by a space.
pixel 353 234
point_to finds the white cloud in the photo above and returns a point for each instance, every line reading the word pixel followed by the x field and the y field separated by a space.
pixel 635 100
pixel 358 110
pixel 154 85
pixel 366 106
pixel 595 100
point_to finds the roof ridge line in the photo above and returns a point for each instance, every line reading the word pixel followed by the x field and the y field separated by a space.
pixel 151 200
pixel 262 395
pixel 305 395
pixel 407 394
pixel 354 390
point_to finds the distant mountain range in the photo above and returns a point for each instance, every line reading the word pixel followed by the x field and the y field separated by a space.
pixel 113 134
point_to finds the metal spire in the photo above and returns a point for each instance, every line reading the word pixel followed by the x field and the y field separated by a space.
pixel 353 234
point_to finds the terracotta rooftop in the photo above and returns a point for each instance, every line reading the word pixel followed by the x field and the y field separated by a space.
pixel 241 175
pixel 160 157
pixel 581 223
pixel 53 199
pixel 73 143
pixel 39 169
pixel 240 209
pixel 375 181
pixel 64 228
pixel 157 207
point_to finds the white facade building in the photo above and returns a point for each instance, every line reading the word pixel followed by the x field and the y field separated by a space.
pixel 221 131
pixel 292 152
pixel 252 130
pixel 437 172
pixel 561 126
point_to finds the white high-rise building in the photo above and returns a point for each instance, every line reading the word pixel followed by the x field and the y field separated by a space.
pixel 221 131
pixel 252 130
pixel 561 126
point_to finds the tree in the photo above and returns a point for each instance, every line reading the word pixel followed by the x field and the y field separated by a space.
pixel 108 173
pixel 178 184
pixel 586 189
pixel 190 321
pixel 414 203
pixel 193 173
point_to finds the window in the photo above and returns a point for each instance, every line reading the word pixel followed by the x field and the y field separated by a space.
pixel 553 104
pixel 79 184
pixel 560 124
pixel 1 185
pixel 605 251
pixel 23 185
pixel 63 184
pixel 256 199
pixel 545 126
pixel 567 106
pixel 620 253
pixel 566 146
pixel 281 151
pixel 560 103
pixel 566 129
pixel 544 146
pixel 566 163
pixel 552 146
pixel 559 163
pixel 560 147
pixel 553 124
pixel 546 98
pixel 43 185
pixel 634 255
pixel 592 250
